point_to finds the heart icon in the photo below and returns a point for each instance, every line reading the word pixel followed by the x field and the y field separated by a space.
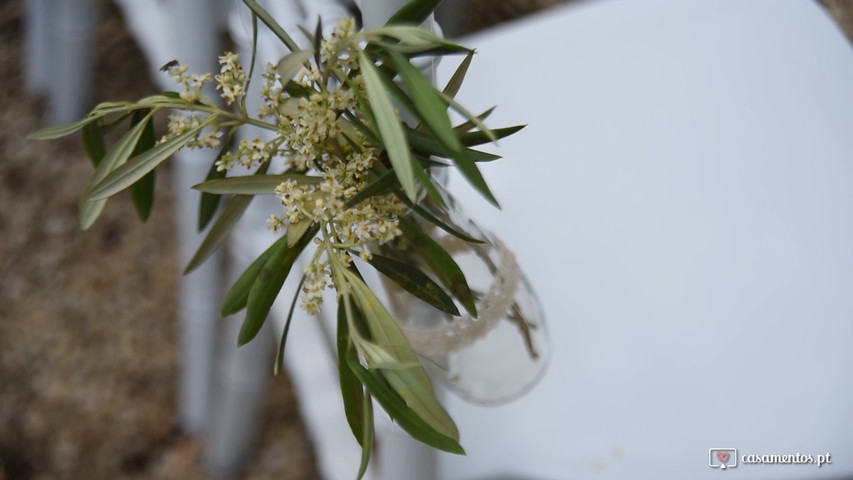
pixel 723 456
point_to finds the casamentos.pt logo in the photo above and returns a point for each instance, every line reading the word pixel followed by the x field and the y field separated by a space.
pixel 725 458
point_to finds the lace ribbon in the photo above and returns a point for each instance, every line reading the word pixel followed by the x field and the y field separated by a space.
pixel 459 332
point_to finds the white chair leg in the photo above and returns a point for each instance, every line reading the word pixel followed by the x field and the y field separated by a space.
pixel 199 292
pixel 241 383
pixel 72 31
pixel 37 46
pixel 197 46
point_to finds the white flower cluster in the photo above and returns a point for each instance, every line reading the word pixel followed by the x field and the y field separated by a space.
pixel 311 113
pixel 374 220
pixel 231 79
pixel 316 138
pixel 249 154
pixel 316 280
pixel 336 49
pixel 179 124
pixel 193 83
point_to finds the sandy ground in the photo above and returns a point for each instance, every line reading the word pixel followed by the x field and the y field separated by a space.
pixel 87 319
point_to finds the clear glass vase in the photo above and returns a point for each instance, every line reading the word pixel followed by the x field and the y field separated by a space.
pixel 497 356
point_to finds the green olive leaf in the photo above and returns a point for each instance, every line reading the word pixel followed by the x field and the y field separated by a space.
pixel 351 388
pixel 60 131
pixel 366 439
pixel 455 82
pixel 88 209
pixel 267 285
pixel 142 192
pixel 468 125
pixel 436 221
pixel 209 202
pixel 235 299
pixel 414 12
pixel 401 413
pixel 279 354
pixel 427 101
pixel 389 127
pixel 231 214
pixel 441 263
pixel 93 142
pixel 470 139
pixel 415 282
pixel 253 184
pixel 408 378
pixel 270 22
pixel 129 173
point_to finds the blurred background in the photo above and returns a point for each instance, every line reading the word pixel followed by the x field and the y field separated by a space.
pixel 87 319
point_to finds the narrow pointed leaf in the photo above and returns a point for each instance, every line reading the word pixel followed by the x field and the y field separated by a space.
pixel 130 172
pixel 414 12
pixel 428 146
pixel 470 116
pixel 279 354
pixel 118 155
pixel 378 186
pixel 253 184
pixel 409 37
pixel 429 162
pixel 209 202
pixel 231 214
pixel 357 124
pixel 264 291
pixel 421 49
pixel 398 410
pixel 435 221
pixel 251 65
pixel 464 160
pixel 142 192
pixel 63 130
pixel 399 96
pixel 432 192
pixel 268 20
pixel 351 389
pixel 318 37
pixel 455 82
pixel 442 264
pixel 93 142
pixel 235 299
pixel 410 381
pixel 427 102
pixel 268 284
pixel 389 127
pixel 222 227
pixel 367 434
pixel 470 139
pixel 478 156
pixel 415 282
pixel 472 173
pixel 468 125
pixel 88 210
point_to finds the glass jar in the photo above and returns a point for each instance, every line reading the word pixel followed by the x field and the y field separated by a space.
pixel 497 356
